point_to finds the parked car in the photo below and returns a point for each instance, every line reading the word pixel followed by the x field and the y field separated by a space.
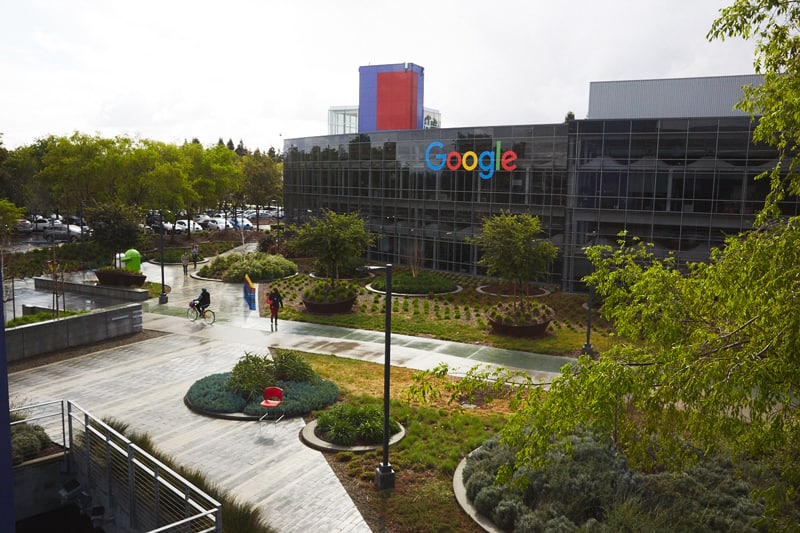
pixel 241 223
pixel 77 221
pixel 218 223
pixel 166 226
pixel 23 225
pixel 65 232
pixel 40 222
pixel 181 226
pixel 201 219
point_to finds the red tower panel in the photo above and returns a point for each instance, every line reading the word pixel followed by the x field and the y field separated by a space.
pixel 397 101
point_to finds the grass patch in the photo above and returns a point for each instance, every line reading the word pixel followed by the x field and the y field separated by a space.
pixel 437 437
pixel 460 317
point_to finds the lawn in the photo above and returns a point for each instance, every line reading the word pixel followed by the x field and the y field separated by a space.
pixel 438 437
pixel 459 317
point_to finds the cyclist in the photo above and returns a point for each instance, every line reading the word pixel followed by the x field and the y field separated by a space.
pixel 202 301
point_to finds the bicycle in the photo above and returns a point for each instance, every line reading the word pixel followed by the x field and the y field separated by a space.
pixel 193 314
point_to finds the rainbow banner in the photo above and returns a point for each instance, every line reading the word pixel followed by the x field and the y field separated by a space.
pixel 249 292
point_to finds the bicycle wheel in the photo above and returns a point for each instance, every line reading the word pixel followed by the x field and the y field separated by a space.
pixel 209 317
pixel 191 314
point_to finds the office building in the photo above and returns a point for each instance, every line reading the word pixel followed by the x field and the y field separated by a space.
pixel 669 161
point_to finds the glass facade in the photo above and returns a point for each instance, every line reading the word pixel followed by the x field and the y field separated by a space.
pixel 681 184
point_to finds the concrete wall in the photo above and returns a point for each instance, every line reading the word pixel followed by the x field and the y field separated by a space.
pixel 118 293
pixel 36 486
pixel 53 335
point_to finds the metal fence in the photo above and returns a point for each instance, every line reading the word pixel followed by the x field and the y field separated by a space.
pixel 116 482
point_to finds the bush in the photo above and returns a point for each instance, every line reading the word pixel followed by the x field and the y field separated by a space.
pixel 259 266
pixel 324 292
pixel 210 394
pixel 289 365
pixel 40 317
pixel 27 440
pixel 507 511
pixel 347 424
pixel 251 375
pixel 530 313
pixel 422 283
pixel 477 482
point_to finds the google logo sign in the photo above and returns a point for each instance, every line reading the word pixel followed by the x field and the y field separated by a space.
pixel 487 161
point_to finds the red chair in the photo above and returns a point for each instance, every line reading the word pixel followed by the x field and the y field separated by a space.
pixel 273 396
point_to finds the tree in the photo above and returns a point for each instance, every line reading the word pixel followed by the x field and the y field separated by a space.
pixel 512 251
pixel 115 226
pixel 262 179
pixel 776 103
pixel 335 239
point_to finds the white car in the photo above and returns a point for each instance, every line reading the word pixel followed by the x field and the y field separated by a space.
pixel 182 226
pixel 201 219
pixel 216 223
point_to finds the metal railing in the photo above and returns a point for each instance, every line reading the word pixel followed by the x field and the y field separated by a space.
pixel 118 483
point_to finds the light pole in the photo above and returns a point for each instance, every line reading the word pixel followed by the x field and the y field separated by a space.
pixel 384 475
pixel 162 298
pixel 587 348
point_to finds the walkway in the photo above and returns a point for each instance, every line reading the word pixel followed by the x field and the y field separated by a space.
pixel 143 385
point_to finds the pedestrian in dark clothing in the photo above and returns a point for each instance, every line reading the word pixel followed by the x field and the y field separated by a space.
pixel 275 302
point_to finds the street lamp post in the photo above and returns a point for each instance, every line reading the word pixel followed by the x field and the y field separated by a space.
pixel 162 298
pixel 384 474
pixel 587 348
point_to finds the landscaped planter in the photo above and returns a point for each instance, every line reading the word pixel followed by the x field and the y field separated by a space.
pixel 116 278
pixel 329 308
pixel 529 331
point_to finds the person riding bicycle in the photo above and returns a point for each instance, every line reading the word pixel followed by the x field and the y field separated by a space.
pixel 203 301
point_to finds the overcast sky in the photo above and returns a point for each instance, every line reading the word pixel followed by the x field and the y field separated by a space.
pixel 263 71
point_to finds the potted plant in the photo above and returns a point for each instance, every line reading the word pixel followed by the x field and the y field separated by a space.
pixel 337 240
pixel 530 319
pixel 119 277
pixel 512 252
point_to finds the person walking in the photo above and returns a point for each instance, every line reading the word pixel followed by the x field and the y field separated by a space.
pixel 275 302
pixel 194 255
pixel 185 263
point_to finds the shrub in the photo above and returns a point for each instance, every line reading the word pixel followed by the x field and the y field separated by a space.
pixel 210 394
pixel 530 313
pixel 422 283
pixel 488 498
pixel 347 424
pixel 40 317
pixel 251 375
pixel 325 292
pixel 507 511
pixel 477 482
pixel 259 266
pixel 290 366
pixel 26 441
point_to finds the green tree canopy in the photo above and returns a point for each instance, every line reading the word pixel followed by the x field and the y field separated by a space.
pixel 512 251
pixel 335 239
pixel 9 214
pixel 773 24
pixel 115 226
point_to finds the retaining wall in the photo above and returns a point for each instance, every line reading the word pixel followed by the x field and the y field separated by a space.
pixel 77 330
pixel 118 293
